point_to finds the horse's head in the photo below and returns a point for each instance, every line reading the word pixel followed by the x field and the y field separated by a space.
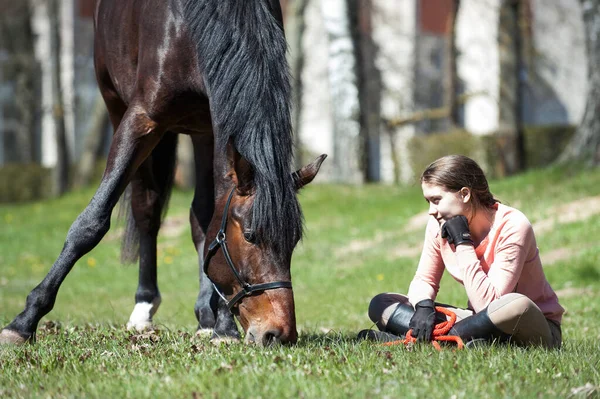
pixel 252 274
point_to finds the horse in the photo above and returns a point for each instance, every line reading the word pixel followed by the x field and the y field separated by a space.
pixel 215 70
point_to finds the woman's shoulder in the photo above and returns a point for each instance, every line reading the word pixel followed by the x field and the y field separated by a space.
pixel 512 219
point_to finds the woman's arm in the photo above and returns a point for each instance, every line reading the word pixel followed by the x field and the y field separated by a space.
pixel 511 251
pixel 426 282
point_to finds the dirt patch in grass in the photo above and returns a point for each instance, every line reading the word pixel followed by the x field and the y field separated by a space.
pixel 406 252
pixel 556 255
pixel 415 223
pixel 570 292
pixel 571 212
pixel 174 226
pixel 565 253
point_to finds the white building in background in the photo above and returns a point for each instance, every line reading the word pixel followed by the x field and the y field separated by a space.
pixel 478 63
pixel 411 39
pixel 560 84
pixel 557 80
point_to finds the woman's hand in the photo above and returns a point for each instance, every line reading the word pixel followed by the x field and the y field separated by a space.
pixel 456 230
pixel 423 321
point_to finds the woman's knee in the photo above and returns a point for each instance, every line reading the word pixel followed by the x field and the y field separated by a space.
pixel 509 306
pixel 520 317
pixel 381 302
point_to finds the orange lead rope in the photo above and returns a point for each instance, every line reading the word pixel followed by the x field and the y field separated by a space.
pixel 439 332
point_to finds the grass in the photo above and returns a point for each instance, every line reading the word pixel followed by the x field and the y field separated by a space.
pixel 357 244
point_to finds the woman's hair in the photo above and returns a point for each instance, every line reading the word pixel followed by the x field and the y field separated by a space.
pixel 454 172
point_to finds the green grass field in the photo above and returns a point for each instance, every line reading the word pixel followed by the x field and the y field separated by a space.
pixel 359 241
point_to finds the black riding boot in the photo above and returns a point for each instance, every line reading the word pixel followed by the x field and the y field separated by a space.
pixel 398 323
pixel 478 328
pixel 395 329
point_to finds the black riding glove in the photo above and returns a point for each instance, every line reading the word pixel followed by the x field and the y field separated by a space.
pixel 457 231
pixel 423 321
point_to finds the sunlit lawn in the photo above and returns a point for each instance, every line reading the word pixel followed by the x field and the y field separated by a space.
pixel 359 241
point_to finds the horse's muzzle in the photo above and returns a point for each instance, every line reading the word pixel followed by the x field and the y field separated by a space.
pixel 269 318
pixel 271 336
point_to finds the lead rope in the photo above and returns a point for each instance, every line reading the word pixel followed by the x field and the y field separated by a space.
pixel 439 333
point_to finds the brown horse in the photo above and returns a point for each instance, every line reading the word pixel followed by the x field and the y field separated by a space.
pixel 215 70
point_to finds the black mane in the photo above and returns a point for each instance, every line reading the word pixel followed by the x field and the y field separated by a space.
pixel 242 52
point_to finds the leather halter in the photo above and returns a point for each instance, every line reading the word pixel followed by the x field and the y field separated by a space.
pixel 220 241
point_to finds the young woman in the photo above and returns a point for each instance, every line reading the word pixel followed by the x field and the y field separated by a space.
pixel 490 249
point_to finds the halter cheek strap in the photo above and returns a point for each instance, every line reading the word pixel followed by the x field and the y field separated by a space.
pixel 246 289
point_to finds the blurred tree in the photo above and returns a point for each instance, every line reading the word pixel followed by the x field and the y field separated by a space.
pixel 295 25
pixel 585 144
pixel 511 31
pixel 185 172
pixel 21 68
pixel 369 86
pixel 61 169
pixel 344 92
pixel 92 146
pixel 451 76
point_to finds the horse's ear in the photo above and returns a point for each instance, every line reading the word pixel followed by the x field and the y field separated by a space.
pixel 239 169
pixel 305 175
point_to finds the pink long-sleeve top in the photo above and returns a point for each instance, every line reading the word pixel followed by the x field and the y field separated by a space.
pixel 506 261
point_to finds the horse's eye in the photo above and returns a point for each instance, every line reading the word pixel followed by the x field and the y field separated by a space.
pixel 250 236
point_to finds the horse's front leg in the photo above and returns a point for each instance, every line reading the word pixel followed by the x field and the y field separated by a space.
pixel 214 318
pixel 135 138
pixel 150 189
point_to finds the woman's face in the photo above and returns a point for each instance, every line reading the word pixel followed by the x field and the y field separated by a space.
pixel 444 204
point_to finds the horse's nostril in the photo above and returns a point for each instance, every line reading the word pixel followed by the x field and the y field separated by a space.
pixel 272 337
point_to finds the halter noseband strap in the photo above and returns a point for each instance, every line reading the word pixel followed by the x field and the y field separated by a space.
pixel 220 241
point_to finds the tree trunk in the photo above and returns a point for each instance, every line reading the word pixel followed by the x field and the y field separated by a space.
pixel 344 93
pixel 451 76
pixel 185 171
pixel 61 170
pixel 16 38
pixel 369 87
pixel 92 147
pixel 511 86
pixel 518 7
pixel 585 144
pixel 66 13
pixel 294 32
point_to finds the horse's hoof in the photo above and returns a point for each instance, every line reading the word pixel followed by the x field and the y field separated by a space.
pixel 204 333
pixel 141 317
pixel 139 326
pixel 9 337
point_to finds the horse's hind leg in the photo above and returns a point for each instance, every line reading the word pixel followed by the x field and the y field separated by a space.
pixel 135 138
pixel 150 190
pixel 213 316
